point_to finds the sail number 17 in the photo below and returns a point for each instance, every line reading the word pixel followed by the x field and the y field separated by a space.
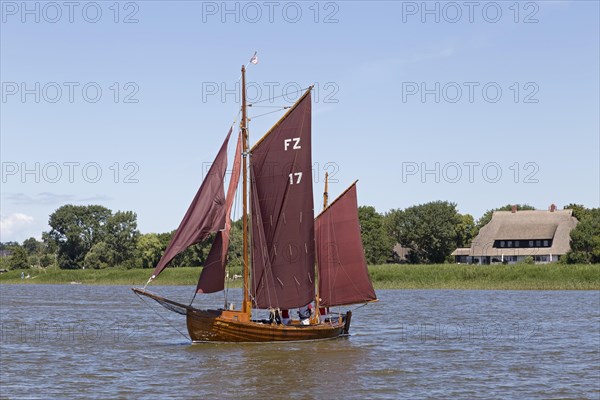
pixel 298 176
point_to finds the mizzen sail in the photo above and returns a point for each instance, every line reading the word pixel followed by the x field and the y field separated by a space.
pixel 282 212
pixel 343 274
pixel 205 215
pixel 212 277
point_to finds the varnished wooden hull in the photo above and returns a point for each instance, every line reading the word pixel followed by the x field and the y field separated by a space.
pixel 235 326
pixel 223 326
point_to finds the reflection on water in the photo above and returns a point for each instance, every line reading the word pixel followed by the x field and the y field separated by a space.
pixel 102 341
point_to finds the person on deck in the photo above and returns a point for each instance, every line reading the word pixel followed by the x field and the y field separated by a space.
pixel 323 313
pixel 304 314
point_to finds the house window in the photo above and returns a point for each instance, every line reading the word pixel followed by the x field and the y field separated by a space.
pixel 538 243
pixel 545 243
pixel 516 243
pixel 531 243
pixel 510 243
pixel 502 243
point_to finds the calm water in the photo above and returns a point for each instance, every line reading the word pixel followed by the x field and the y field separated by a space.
pixel 102 341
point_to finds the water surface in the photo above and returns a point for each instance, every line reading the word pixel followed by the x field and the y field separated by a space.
pixel 102 341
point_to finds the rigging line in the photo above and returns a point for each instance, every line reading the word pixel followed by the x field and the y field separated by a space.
pixel 235 119
pixel 162 317
pixel 282 107
pixel 281 95
pixel 267 113
pixel 361 306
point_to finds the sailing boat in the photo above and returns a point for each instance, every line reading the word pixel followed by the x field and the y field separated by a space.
pixel 287 241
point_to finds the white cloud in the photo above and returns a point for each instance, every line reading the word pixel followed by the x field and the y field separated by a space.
pixel 13 226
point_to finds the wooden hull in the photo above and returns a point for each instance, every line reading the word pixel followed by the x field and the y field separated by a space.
pixel 230 326
pixel 235 326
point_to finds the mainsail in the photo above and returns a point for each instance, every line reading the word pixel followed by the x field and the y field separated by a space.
pixel 343 274
pixel 282 212
pixel 212 277
pixel 205 215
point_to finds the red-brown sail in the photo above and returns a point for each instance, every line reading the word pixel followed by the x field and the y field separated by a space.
pixel 212 277
pixel 205 215
pixel 282 212
pixel 343 274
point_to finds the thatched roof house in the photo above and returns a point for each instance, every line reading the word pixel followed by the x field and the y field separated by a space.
pixel 511 236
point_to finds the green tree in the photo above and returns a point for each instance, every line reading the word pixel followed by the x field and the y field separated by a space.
pixel 376 241
pixel 465 231
pixel 100 256
pixel 579 210
pixel 32 246
pixel 36 253
pixel 75 229
pixel 8 245
pixel 50 245
pixel 392 222
pixel 585 238
pixel 121 236
pixel 46 260
pixel 431 231
pixel 235 253
pixel 18 258
pixel 149 250
pixel 195 255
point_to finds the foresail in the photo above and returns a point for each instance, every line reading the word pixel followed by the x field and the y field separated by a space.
pixel 282 212
pixel 212 277
pixel 343 275
pixel 205 215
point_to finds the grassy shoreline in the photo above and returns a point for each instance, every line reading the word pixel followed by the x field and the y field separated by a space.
pixel 438 276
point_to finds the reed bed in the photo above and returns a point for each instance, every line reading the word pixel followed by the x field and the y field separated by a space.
pixel 388 276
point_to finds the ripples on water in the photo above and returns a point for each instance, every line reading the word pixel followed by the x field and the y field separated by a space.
pixel 102 341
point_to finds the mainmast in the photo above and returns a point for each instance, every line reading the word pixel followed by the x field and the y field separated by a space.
pixel 246 306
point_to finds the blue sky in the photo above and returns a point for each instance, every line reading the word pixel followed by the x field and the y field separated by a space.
pixel 482 104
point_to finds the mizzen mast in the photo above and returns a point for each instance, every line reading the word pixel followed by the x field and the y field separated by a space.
pixel 326 193
pixel 317 315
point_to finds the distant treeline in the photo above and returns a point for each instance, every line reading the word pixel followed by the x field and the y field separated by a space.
pixel 94 237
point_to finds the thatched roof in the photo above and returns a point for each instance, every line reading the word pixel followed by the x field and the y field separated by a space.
pixel 525 225
pixel 461 251
pixel 523 231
